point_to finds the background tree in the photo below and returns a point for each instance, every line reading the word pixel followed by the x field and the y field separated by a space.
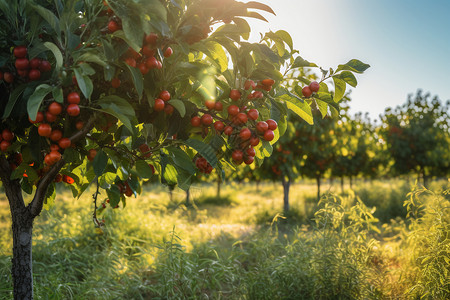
pixel 417 136
pixel 112 92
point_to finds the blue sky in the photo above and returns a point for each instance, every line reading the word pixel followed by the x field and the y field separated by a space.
pixel 406 42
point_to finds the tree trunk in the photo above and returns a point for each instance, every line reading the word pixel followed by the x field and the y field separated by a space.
pixel 22 225
pixel 318 187
pixel 425 179
pixel 188 194
pixel 342 184
pixel 351 182
pixel 219 182
pixel 286 186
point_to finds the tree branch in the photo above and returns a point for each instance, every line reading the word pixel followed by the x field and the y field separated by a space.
pixel 37 203
pixel 10 187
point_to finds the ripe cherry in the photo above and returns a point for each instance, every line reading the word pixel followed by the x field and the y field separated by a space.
pixel 4 145
pixel 254 141
pixel 207 119
pixel 45 66
pixel 228 130
pixel 151 38
pixel 235 95
pixel 21 63
pixel 151 62
pixel 168 52
pixel 44 130
pixel 34 74
pixel 218 106
pixel 249 84
pixel 165 95
pixel 54 147
pixel 8 77
pixel 245 134
pixel 237 155
pixel 196 121
pixel 272 124
pixel 39 118
pixel 210 104
pixel 268 82
pixel 130 61
pixel 115 82
pixel 50 117
pixel 159 105
pixel 249 160
pixel 168 109
pixel 55 156
pixel 219 126
pixel 73 110
pixel 35 63
pixel 269 135
pixel 55 108
pixel 253 114
pixel 306 91
pixel 241 118
pixel 262 126
pixel 64 143
pixel 73 98
pixel 233 110
pixel 20 51
pixel 91 155
pixel 143 68
pixel 251 151
pixel 314 86
pixel 56 135
pixel 7 135
pixel 79 125
pixel 113 26
pixel 147 51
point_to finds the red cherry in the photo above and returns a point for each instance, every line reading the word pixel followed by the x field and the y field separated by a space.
pixel 20 51
pixel 249 84
pixel 168 52
pixel 151 63
pixel 235 95
pixel 268 82
pixel 8 77
pixel 44 130
pixel 245 134
pixel 21 63
pixel 79 125
pixel 34 74
pixel 130 61
pixel 165 95
pixel 158 65
pixel 237 155
pixel 64 143
pixel 314 86
pixel 249 160
pixel 73 98
pixel 233 110
pixel 262 126
pixel 251 151
pixel 147 51
pixel 196 121
pixel 168 109
pixel 219 126
pixel 218 106
pixel 92 154
pixel 73 110
pixel 159 105
pixel 55 108
pixel 54 147
pixel 143 68
pixel 151 38
pixel 306 91
pixel 272 124
pixel 55 156
pixel 45 66
pixel 115 82
pixel 269 135
pixel 4 145
pixel 241 118
pixel 254 141
pixel 39 118
pixel 50 117
pixel 35 63
pixel 228 130
pixel 210 104
pixel 22 73
pixel 113 26
pixel 207 119
pixel 56 135
pixel 7 135
pixel 253 114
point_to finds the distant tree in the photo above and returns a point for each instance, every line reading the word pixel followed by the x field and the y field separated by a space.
pixel 417 136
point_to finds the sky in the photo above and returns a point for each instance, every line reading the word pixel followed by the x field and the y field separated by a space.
pixel 406 42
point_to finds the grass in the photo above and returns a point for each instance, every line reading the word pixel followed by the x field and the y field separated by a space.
pixel 239 246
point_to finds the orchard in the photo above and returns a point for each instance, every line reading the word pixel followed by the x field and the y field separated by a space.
pixel 114 93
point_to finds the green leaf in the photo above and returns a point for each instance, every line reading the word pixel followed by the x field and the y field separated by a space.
pixel 84 83
pixel 113 195
pixel 143 169
pixel 286 37
pixel 217 53
pixel 56 52
pixel 48 16
pixel 13 99
pixel 181 159
pixel 137 80
pixel 58 94
pixel 260 6
pixel 204 150
pixel 123 105
pixel 179 105
pixel 90 57
pixel 170 174
pixel 354 65
pixel 300 62
pixel 100 162
pixel 296 105
pixel 339 89
pixel 348 77
pixel 35 100
pixel 323 107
